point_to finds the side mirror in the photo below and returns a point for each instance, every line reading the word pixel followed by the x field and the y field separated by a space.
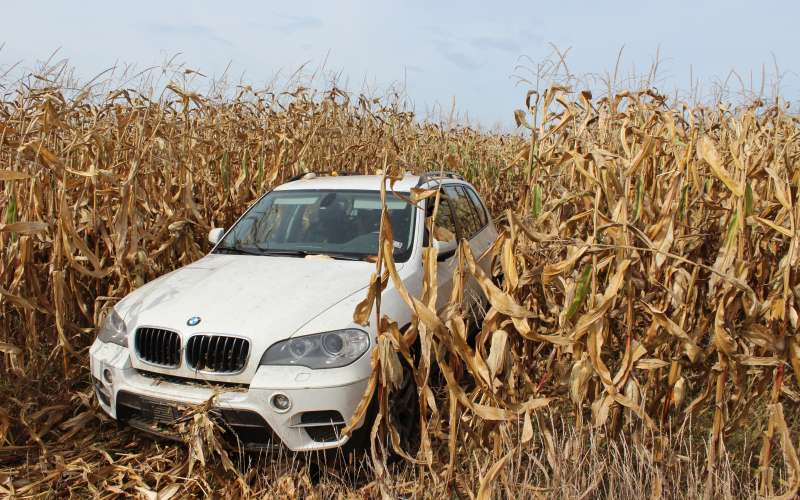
pixel 215 235
pixel 444 249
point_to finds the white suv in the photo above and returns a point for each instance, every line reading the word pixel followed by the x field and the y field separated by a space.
pixel 265 321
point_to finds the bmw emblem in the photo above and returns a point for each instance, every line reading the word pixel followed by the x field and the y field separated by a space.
pixel 193 321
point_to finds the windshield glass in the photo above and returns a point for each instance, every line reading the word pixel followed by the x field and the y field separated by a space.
pixel 342 224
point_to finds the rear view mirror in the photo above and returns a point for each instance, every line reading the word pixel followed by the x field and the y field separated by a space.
pixel 215 235
pixel 444 249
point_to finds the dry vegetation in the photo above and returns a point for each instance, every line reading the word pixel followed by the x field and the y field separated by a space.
pixel 642 340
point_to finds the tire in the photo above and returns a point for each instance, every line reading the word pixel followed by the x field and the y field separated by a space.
pixel 403 414
pixel 404 411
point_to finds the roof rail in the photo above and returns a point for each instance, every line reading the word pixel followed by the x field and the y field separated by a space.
pixel 300 176
pixel 311 175
pixel 430 176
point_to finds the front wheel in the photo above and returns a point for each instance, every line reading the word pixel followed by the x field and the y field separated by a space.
pixel 404 411
pixel 403 408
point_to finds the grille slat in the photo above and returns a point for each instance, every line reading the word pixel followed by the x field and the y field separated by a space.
pixel 217 353
pixel 190 352
pixel 165 345
pixel 223 346
pixel 202 353
pixel 141 339
pixel 205 347
pixel 146 343
pixel 212 352
pixel 235 351
pixel 245 349
pixel 195 353
pixel 176 350
pixel 227 365
pixel 151 345
pixel 158 346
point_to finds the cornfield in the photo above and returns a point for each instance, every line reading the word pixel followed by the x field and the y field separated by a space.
pixel 641 330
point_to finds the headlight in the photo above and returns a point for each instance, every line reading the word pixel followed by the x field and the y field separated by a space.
pixel 322 350
pixel 113 330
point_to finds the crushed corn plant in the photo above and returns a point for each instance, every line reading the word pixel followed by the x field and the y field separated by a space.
pixel 641 330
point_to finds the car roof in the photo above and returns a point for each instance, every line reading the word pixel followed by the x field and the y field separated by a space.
pixel 357 182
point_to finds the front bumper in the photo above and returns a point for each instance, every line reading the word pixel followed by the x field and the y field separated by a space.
pixel 319 401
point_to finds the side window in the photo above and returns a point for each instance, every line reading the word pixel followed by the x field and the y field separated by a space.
pixel 462 192
pixel 466 217
pixel 478 204
pixel 445 225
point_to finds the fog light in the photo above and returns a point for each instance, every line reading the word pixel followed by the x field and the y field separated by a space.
pixel 280 402
pixel 107 375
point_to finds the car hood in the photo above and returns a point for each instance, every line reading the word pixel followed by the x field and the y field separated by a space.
pixel 262 298
pixel 252 296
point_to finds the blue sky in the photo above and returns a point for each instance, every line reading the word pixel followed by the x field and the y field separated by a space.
pixel 464 52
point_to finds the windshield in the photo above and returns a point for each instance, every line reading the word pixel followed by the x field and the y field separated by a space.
pixel 342 224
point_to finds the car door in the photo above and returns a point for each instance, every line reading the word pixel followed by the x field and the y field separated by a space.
pixel 445 221
pixel 473 225
pixel 487 234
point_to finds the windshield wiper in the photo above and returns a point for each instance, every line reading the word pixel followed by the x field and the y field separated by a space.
pixel 307 253
pixel 287 253
pixel 237 250
pixel 344 256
